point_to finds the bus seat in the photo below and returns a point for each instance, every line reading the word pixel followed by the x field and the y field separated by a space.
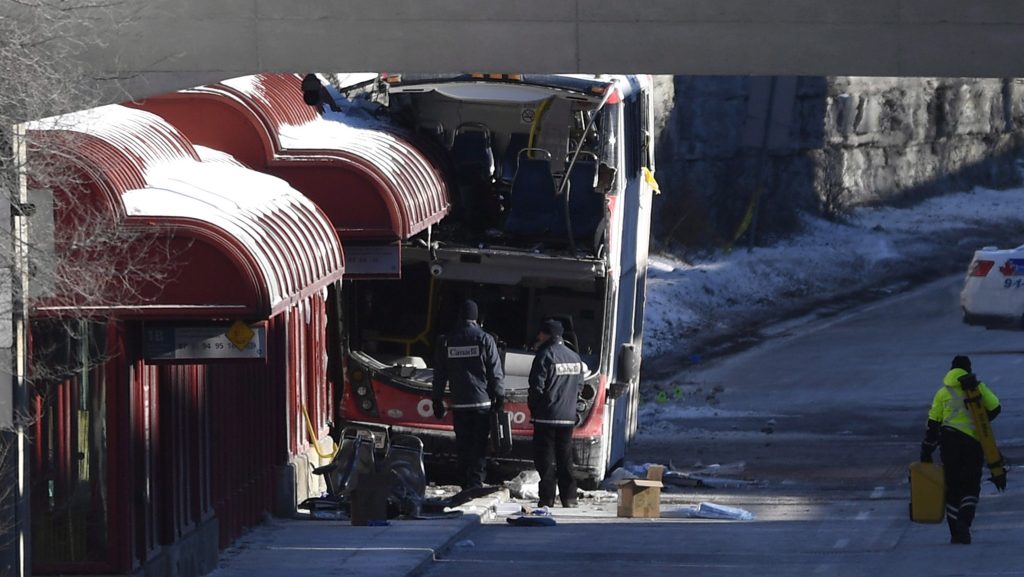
pixel 363 462
pixel 586 207
pixel 474 173
pixel 516 142
pixel 433 130
pixel 342 469
pixel 535 209
pixel 569 334
pixel 571 340
pixel 404 461
pixel 471 149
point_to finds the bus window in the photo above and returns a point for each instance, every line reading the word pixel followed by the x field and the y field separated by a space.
pixel 646 128
pixel 634 138
pixel 609 128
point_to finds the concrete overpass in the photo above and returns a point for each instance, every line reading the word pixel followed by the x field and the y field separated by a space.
pixel 159 45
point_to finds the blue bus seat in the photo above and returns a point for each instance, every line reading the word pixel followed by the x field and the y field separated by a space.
pixel 586 207
pixel 432 130
pixel 363 463
pixel 471 150
pixel 354 444
pixel 404 461
pixel 535 209
pixel 474 171
pixel 516 142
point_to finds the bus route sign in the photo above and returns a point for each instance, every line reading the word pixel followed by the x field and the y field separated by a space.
pixel 203 342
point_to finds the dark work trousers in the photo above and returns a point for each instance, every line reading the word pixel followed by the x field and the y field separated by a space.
pixel 552 455
pixel 962 461
pixel 472 430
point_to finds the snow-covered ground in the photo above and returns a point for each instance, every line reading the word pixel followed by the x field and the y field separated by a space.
pixel 723 293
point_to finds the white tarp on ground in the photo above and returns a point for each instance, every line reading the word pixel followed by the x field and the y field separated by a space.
pixel 707 510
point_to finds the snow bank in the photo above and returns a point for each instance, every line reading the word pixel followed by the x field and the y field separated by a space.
pixel 720 290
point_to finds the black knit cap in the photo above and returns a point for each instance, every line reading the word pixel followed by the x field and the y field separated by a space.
pixel 469 311
pixel 552 327
pixel 961 362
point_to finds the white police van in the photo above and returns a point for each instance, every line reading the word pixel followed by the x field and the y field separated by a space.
pixel 993 293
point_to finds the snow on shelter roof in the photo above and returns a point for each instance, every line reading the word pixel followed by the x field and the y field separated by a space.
pixel 372 183
pixel 282 246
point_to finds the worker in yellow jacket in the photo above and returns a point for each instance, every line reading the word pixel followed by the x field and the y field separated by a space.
pixel 951 428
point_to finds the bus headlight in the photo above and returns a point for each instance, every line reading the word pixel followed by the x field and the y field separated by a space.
pixel 362 387
pixel 588 392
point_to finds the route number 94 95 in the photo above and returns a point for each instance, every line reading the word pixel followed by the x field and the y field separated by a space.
pixel 1013 283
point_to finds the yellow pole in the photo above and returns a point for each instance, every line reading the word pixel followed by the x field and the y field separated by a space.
pixel 313 439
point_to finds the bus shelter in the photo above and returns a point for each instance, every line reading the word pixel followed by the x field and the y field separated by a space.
pixel 168 407
pixel 376 186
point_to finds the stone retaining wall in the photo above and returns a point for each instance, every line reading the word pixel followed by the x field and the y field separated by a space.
pixel 833 143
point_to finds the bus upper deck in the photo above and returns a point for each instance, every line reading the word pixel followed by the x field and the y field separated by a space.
pixel 531 158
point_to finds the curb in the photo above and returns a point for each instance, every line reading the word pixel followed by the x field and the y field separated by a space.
pixel 428 562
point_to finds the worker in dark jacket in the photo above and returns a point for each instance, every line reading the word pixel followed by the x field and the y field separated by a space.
pixel 951 428
pixel 555 381
pixel 468 359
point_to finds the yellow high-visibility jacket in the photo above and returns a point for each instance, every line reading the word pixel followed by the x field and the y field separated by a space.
pixel 948 405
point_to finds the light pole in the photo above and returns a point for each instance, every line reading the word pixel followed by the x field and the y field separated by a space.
pixel 15 548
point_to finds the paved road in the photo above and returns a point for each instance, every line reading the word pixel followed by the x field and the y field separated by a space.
pixel 845 400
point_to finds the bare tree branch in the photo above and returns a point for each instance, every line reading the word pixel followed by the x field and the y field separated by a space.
pixel 96 259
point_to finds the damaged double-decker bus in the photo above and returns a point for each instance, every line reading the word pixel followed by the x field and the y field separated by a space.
pixel 551 179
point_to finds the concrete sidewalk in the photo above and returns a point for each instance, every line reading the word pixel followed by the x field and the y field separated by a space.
pixel 318 548
pixel 285 547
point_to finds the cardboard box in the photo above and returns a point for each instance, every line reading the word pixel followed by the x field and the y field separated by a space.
pixel 642 497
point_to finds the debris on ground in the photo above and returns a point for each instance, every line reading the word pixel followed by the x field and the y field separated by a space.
pixel 611 482
pixel 327 514
pixel 442 490
pixel 599 496
pixel 707 476
pixel 704 477
pixel 539 517
pixel 506 509
pixel 640 470
pixel 707 510
pixel 525 485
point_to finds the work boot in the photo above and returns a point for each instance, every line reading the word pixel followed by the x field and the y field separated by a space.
pixel 953 540
pixel 963 535
pixel 963 525
pixel 570 504
pixel 964 531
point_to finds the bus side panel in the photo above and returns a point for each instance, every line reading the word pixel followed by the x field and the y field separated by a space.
pixel 643 228
pixel 640 295
pixel 623 411
pixel 632 252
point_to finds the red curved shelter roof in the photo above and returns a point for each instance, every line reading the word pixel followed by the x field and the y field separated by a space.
pixel 372 184
pixel 243 243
